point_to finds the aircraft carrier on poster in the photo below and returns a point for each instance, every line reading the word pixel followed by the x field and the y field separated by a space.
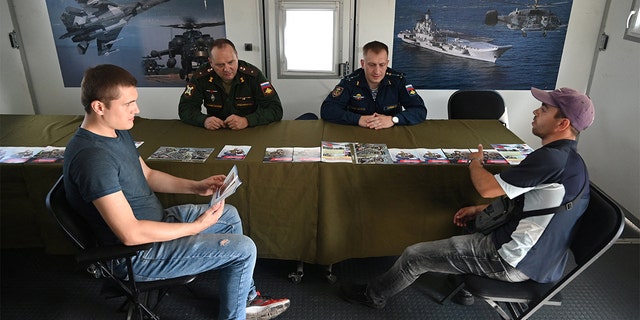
pixel 426 35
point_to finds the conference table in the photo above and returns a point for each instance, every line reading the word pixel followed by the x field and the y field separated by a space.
pixel 314 212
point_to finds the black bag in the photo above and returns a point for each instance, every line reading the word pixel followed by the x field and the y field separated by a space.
pixel 496 214
pixel 501 210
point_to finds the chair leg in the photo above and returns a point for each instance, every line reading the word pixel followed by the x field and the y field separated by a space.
pixel 458 283
pixel 499 309
pixel 296 277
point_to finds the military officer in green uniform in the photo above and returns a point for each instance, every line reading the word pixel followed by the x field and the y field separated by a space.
pixel 235 94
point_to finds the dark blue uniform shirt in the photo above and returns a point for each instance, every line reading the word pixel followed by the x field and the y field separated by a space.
pixel 352 98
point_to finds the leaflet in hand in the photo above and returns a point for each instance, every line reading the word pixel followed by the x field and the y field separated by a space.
pixel 229 186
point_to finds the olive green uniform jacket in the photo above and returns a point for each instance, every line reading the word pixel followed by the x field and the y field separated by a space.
pixel 251 96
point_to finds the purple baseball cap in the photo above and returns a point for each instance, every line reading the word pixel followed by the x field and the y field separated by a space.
pixel 574 104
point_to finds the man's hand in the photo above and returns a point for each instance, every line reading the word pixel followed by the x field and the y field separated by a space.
pixel 210 216
pixel 235 122
pixel 478 154
pixel 209 185
pixel 466 214
pixel 213 123
pixel 376 121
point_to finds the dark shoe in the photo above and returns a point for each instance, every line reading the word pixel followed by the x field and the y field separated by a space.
pixel 464 298
pixel 265 307
pixel 357 293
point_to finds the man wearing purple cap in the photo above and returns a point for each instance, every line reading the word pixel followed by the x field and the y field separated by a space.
pixel 550 191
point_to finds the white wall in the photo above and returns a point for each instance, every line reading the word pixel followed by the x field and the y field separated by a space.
pixel 375 20
pixel 611 146
pixel 14 91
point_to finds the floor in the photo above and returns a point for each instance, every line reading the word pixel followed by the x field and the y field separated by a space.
pixel 40 286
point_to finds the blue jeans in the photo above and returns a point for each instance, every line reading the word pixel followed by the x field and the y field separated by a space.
pixel 467 254
pixel 221 247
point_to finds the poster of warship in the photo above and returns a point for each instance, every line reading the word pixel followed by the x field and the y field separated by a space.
pixel 426 35
pixel 464 44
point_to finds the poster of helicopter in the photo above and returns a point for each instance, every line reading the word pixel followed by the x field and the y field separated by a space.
pixel 472 44
pixel 161 42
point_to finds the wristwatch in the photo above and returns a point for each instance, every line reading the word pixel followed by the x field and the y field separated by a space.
pixel 395 120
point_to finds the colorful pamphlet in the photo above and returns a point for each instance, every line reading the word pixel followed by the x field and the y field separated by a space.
pixel 279 154
pixel 49 155
pixel 407 156
pixel 372 153
pixel 231 152
pixel 18 154
pixel 337 152
pixel 520 147
pixel 434 156
pixel 458 156
pixel 181 154
pixel 491 156
pixel 514 153
pixel 306 154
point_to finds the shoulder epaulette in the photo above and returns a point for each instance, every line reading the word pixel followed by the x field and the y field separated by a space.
pixel 248 69
pixel 203 71
pixel 393 73
pixel 354 75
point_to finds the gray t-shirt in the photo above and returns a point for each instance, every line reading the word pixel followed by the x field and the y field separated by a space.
pixel 96 166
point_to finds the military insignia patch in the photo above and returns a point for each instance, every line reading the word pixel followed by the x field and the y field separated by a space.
pixel 267 89
pixel 212 94
pixel 411 90
pixel 337 91
pixel 188 91
pixel 358 97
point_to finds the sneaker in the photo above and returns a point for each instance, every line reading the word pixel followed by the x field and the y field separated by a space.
pixel 357 293
pixel 265 307
pixel 464 298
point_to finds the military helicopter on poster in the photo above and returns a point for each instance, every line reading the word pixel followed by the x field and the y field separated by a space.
pixel 102 21
pixel 191 45
pixel 535 18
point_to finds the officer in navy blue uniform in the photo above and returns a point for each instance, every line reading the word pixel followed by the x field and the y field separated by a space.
pixel 374 96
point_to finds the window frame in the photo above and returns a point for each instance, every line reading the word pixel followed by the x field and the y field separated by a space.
pixel 337 7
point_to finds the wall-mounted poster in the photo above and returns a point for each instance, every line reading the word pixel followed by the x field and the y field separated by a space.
pixel 471 44
pixel 160 42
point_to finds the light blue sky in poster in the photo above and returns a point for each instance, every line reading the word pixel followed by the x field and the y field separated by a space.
pixel 143 33
pixel 533 60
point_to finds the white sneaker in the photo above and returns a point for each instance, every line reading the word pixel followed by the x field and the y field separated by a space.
pixel 265 307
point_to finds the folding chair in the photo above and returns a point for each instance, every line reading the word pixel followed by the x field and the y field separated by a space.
pixel 98 258
pixel 596 231
pixel 477 104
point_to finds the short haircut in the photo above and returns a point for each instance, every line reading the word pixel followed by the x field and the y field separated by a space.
pixel 376 47
pixel 559 115
pixel 103 83
pixel 220 43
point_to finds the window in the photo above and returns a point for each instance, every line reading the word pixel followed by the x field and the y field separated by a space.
pixel 309 39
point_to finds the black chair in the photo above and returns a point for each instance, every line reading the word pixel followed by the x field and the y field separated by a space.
pixel 596 231
pixel 98 258
pixel 477 104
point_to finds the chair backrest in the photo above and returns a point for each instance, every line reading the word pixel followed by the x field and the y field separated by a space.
pixel 72 223
pixel 596 231
pixel 477 104
pixel 598 228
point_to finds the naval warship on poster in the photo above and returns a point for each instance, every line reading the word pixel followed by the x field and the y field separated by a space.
pixel 426 35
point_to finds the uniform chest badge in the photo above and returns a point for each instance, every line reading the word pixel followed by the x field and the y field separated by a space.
pixel 188 91
pixel 212 94
pixel 358 97
pixel 337 91
pixel 267 89
pixel 411 90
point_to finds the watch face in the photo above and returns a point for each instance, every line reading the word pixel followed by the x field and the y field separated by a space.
pixel 395 119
